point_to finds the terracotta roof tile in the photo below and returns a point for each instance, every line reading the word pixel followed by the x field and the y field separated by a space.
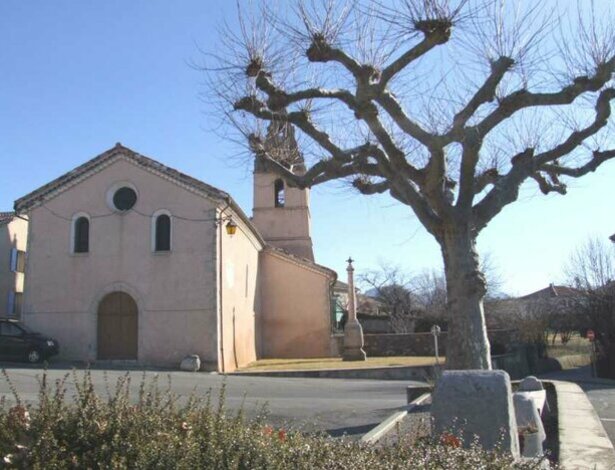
pixel 552 291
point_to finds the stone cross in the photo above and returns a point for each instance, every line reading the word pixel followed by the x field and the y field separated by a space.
pixel 353 333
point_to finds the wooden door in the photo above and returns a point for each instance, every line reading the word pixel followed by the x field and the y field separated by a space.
pixel 117 327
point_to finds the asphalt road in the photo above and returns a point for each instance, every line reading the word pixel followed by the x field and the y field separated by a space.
pixel 336 406
pixel 602 397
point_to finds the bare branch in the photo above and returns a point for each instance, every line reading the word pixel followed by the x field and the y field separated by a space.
pixel 321 51
pixel 505 190
pixel 598 159
pixel 547 187
pixel 486 93
pixel 522 99
pixel 575 139
pixel 365 186
pixel 419 50
pixel 395 110
pixel 486 178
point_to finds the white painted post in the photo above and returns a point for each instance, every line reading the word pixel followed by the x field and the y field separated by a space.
pixel 435 331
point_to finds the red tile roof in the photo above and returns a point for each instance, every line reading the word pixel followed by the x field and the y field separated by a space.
pixel 553 291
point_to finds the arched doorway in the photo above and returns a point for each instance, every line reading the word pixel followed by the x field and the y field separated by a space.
pixel 117 327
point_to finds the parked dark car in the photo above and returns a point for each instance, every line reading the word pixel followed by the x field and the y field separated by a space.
pixel 20 343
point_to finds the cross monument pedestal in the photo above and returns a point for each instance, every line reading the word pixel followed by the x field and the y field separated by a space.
pixel 353 332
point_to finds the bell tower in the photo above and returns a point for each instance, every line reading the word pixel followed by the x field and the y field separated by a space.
pixel 282 213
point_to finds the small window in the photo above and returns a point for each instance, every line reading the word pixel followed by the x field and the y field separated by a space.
pixel 279 193
pixel 81 238
pixel 124 199
pixel 163 233
pixel 21 261
pixel 18 260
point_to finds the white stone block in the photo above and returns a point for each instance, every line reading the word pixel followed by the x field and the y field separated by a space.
pixel 477 403
pixel 529 425
pixel 530 384
pixel 191 363
pixel 539 397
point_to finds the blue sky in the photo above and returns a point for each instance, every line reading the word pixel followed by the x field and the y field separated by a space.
pixel 78 76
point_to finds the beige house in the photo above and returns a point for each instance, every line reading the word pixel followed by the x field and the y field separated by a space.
pixel 131 260
pixel 13 244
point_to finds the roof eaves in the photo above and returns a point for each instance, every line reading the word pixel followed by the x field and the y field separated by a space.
pixel 86 169
pixel 303 261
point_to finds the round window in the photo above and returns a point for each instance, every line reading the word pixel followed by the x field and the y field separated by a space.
pixel 124 198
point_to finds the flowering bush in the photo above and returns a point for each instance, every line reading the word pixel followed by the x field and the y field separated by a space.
pixel 154 431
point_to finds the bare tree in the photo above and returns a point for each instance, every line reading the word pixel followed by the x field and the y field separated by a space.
pixel 430 289
pixel 447 105
pixel 562 315
pixel 527 317
pixel 591 265
pixel 591 268
pixel 391 288
pixel 493 277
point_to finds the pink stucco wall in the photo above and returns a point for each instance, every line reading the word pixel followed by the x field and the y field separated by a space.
pixel 12 235
pixel 295 308
pixel 287 227
pixel 175 292
pixel 240 300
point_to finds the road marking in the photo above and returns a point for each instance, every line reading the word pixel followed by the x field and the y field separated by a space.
pixel 607 419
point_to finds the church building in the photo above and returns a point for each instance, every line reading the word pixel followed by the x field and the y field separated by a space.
pixel 130 260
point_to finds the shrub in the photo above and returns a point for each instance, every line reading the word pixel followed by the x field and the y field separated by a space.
pixel 157 430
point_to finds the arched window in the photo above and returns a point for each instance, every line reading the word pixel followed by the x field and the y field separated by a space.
pixel 81 235
pixel 161 231
pixel 279 193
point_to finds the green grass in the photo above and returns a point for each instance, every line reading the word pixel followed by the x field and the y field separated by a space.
pixel 576 346
pixel 575 353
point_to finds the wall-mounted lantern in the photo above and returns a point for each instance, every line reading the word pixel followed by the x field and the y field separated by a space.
pixel 231 228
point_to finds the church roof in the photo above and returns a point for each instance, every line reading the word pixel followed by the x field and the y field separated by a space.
pixel 87 169
pixel 6 217
pixel 118 151
pixel 302 261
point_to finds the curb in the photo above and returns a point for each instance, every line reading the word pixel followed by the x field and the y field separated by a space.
pixel 383 428
pixel 583 442
pixel 416 373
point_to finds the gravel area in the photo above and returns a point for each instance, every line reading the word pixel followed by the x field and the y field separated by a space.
pixel 416 424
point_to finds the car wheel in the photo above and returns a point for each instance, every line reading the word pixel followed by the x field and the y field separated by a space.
pixel 34 357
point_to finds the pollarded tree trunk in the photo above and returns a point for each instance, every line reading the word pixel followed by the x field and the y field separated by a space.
pixel 467 344
pixel 364 127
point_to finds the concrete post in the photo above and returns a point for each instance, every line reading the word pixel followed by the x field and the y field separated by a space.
pixel 353 333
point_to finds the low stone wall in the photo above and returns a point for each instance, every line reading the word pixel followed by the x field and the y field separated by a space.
pixel 375 373
pixel 409 344
pixel 422 344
